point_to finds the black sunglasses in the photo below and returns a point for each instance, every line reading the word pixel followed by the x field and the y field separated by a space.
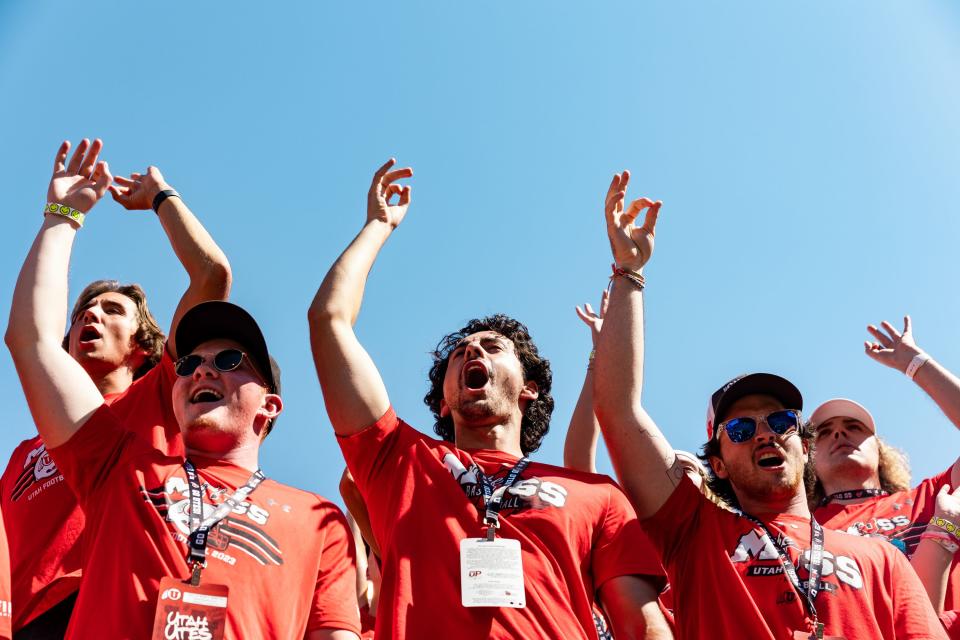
pixel 226 360
pixel 743 428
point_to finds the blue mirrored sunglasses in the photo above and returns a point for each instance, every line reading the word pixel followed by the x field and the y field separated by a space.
pixel 743 428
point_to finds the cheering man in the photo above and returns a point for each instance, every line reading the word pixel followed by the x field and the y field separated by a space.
pixel 767 570
pixel 476 540
pixel 221 539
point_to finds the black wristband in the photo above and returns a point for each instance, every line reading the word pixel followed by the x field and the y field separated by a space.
pixel 163 195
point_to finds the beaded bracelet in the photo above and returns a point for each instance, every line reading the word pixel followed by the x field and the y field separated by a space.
pixel 65 211
pixel 946 525
pixel 635 278
pixel 943 539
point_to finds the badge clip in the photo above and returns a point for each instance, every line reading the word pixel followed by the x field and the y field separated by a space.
pixel 491 533
pixel 195 576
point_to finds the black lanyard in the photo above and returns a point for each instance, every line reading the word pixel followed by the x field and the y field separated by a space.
pixel 199 526
pixel 812 588
pixel 493 498
pixel 853 494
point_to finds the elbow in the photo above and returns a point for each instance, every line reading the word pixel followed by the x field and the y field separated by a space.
pixel 324 314
pixel 216 279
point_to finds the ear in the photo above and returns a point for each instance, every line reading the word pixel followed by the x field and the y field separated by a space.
pixel 719 468
pixel 272 406
pixel 530 391
pixel 444 409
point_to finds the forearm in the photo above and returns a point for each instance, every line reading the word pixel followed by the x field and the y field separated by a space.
pixel 580 446
pixel 942 386
pixel 204 261
pixel 932 564
pixel 341 293
pixel 644 460
pixel 39 308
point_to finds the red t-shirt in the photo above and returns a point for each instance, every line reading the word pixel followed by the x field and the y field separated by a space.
pixel 576 531
pixel 286 555
pixel 728 582
pixel 951 624
pixel 900 518
pixel 6 629
pixel 43 519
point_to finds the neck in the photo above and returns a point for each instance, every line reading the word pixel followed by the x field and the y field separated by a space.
pixel 794 504
pixel 500 437
pixel 245 456
pixel 851 482
pixel 115 381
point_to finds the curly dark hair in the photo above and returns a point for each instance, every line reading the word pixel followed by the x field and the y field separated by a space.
pixel 723 488
pixel 149 335
pixel 536 419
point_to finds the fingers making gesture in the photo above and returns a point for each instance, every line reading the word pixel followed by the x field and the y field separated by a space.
pixel 892 348
pixel 632 246
pixel 138 191
pixel 382 189
pixel 595 320
pixel 81 183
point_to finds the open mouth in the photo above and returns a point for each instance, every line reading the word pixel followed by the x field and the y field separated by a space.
pixel 88 334
pixel 475 375
pixel 770 459
pixel 201 396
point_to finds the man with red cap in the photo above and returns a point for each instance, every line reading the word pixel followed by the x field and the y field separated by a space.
pixel 773 571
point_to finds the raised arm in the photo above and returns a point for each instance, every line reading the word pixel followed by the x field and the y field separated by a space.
pixel 60 394
pixel 353 390
pixel 643 459
pixel 898 350
pixel 580 447
pixel 934 555
pixel 206 265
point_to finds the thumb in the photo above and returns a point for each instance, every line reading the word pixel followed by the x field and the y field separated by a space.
pixel 102 178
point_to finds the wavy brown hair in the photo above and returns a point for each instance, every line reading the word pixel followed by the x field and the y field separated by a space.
pixel 148 337
pixel 894 471
pixel 536 418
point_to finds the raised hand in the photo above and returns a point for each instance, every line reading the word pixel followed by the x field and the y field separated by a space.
pixel 892 348
pixel 81 183
pixel 948 504
pixel 138 191
pixel 631 245
pixel 595 320
pixel 382 189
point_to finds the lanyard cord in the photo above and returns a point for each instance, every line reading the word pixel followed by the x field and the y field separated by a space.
pixel 493 498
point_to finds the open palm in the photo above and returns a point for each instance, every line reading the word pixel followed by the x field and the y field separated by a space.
pixel 82 183
pixel 631 245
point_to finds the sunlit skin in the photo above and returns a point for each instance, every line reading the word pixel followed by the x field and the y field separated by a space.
pixel 222 414
pixel 102 340
pixel 846 456
pixel 489 416
pixel 761 489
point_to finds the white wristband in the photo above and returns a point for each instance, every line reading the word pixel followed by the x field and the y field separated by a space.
pixel 918 361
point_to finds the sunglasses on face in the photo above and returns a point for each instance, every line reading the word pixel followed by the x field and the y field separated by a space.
pixel 226 360
pixel 743 428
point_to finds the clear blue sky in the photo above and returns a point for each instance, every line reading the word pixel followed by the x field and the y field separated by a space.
pixel 806 156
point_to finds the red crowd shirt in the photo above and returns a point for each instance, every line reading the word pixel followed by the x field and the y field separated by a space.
pixel 44 521
pixel 6 629
pixel 900 518
pixel 286 555
pixel 576 531
pixel 728 582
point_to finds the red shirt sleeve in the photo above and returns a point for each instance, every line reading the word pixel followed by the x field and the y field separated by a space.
pixel 951 624
pixel 622 547
pixel 670 527
pixel 87 458
pixel 335 598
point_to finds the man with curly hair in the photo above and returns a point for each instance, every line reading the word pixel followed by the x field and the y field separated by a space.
pixel 442 510
pixel 863 483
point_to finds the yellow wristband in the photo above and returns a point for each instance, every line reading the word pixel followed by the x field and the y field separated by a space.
pixel 65 211
pixel 946 525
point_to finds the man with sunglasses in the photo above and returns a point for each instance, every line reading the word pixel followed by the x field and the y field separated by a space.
pixel 863 483
pixel 766 569
pixel 115 338
pixel 237 555
pixel 477 541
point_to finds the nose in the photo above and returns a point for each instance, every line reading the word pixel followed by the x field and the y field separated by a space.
pixel 473 350
pixel 91 314
pixel 764 432
pixel 205 370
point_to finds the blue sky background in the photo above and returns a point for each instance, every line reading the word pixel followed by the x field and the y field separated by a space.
pixel 806 157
